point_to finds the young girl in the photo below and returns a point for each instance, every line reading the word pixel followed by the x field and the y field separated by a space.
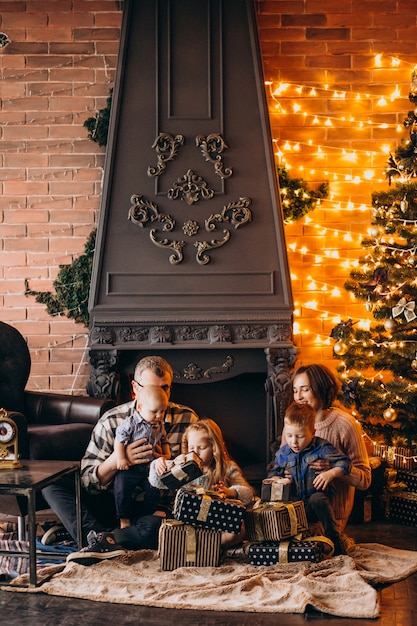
pixel 220 473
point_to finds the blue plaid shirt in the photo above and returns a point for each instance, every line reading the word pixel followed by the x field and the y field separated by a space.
pixel 298 465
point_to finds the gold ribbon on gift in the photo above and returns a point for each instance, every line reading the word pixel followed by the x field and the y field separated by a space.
pixel 293 518
pixel 283 548
pixel 190 544
pixel 322 539
pixel 178 472
pixel 204 508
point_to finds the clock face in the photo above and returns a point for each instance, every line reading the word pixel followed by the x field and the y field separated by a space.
pixel 7 431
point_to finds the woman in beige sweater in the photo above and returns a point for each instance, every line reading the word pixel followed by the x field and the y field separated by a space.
pixel 317 386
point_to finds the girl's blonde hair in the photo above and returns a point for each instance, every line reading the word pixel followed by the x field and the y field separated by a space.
pixel 221 458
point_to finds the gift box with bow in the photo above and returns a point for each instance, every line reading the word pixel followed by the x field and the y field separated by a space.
pixel 182 470
pixel 273 490
pixel 273 521
pixel 208 509
pixel 181 545
pixel 272 552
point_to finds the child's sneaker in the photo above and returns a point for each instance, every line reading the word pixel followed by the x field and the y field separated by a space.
pixel 101 546
pixel 55 534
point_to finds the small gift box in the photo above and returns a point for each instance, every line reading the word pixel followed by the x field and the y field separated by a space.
pixel 208 509
pixel 273 521
pixel 271 553
pixel 402 508
pixel 273 490
pixel 181 545
pixel 182 470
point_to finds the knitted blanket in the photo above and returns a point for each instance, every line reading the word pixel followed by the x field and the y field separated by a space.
pixel 345 586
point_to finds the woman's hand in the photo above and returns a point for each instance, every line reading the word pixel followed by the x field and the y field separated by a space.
pixel 321 465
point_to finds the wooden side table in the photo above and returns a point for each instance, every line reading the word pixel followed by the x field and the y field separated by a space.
pixel 27 481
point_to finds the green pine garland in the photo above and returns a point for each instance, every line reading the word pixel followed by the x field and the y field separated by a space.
pixel 72 287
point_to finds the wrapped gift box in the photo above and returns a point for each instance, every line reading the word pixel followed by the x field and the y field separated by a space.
pixel 397 457
pixel 273 521
pixel 402 508
pixel 181 545
pixel 409 478
pixel 274 491
pixel 182 470
pixel 271 553
pixel 208 509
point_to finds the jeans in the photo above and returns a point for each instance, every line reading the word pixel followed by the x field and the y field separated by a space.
pixel 98 513
pixel 126 485
pixel 319 508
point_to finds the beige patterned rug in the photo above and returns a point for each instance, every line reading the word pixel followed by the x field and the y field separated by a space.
pixel 345 586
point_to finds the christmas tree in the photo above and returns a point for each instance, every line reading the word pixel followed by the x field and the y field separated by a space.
pixel 378 365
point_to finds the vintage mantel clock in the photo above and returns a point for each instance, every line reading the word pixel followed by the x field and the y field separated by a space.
pixel 9 449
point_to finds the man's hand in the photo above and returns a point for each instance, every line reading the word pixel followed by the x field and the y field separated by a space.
pixel 139 452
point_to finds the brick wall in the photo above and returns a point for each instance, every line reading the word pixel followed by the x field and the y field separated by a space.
pixel 56 72
pixel 332 47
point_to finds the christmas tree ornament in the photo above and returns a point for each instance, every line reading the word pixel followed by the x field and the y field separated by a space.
pixel 414 363
pixel 390 414
pixel 374 232
pixel 405 307
pixel 340 348
pixel 404 204
pixel 390 325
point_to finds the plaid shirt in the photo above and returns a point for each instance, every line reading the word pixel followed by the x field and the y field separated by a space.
pixel 176 420
pixel 298 465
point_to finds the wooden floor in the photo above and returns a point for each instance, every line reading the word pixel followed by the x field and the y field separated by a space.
pixel 398 601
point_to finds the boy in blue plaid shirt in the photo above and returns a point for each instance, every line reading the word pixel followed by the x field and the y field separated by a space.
pixel 292 462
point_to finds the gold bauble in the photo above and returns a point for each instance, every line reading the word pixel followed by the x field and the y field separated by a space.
pixel 390 324
pixel 340 348
pixel 414 365
pixel 390 414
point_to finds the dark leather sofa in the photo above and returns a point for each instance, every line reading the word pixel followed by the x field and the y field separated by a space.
pixel 51 426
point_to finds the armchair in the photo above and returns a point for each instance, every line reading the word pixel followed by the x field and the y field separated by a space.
pixel 51 426
pixel 54 426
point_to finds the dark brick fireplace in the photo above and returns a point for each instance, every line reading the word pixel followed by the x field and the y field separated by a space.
pixel 191 259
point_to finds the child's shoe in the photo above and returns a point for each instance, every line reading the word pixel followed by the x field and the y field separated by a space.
pixel 101 546
pixel 55 534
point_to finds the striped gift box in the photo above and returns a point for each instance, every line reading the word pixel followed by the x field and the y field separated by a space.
pixel 181 545
pixel 273 521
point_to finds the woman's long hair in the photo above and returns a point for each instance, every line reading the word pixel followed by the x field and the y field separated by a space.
pixel 221 458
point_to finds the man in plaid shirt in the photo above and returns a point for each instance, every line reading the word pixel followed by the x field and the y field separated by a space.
pixel 99 466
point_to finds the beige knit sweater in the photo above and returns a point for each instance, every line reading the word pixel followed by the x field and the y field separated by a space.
pixel 342 431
